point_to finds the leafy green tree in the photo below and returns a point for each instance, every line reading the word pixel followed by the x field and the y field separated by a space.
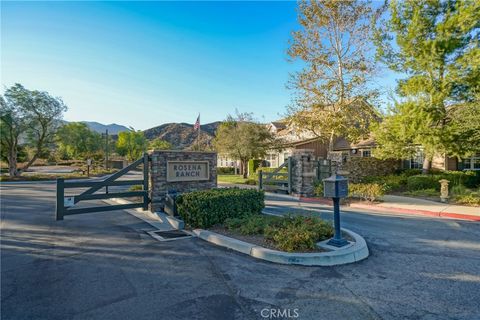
pixel 243 139
pixel 334 92
pixel 76 140
pixel 159 144
pixel 435 44
pixel 28 115
pixel 131 144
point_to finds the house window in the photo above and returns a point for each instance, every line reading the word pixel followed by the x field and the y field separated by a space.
pixel 417 161
pixel 472 163
pixel 366 153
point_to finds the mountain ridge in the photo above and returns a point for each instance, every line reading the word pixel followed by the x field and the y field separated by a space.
pixel 182 136
pixel 112 128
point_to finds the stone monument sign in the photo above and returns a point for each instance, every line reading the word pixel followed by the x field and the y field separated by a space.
pixel 180 171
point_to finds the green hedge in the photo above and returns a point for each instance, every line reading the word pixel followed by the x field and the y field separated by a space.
pixel 253 165
pixel 420 182
pixel 205 208
pixel 408 172
pixel 392 182
pixel 225 170
pixel 469 179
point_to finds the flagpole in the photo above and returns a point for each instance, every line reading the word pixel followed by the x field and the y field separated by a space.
pixel 198 133
pixel 197 126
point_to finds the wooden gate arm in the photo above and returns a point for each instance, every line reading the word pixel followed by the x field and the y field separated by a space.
pixel 113 177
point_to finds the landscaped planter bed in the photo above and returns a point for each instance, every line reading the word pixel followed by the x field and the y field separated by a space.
pixel 232 218
pixel 291 233
pixel 258 240
pixel 355 251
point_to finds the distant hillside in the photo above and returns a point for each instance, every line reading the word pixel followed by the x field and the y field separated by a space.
pixel 99 127
pixel 182 135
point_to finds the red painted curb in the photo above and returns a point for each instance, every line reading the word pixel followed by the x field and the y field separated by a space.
pixel 399 210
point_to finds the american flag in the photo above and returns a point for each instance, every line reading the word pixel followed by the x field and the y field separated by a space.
pixel 196 126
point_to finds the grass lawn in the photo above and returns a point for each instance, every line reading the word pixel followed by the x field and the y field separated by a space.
pixel 231 178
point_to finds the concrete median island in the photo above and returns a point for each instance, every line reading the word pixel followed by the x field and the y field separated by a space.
pixel 357 250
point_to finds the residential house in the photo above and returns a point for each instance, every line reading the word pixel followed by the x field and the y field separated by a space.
pixel 343 149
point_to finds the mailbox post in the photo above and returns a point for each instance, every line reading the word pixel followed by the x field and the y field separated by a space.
pixel 336 187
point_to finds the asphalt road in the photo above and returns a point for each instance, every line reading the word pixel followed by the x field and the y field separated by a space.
pixel 104 266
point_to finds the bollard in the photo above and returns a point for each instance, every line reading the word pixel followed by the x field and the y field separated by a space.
pixel 444 190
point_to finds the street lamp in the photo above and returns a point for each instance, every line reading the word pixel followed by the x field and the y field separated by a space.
pixel 336 187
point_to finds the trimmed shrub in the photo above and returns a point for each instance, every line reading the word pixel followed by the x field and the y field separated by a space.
pixel 366 191
pixel 469 199
pixel 408 172
pixel 253 165
pixel 462 195
pixel 205 208
pixel 318 189
pixel 298 233
pixel 420 182
pixel 225 170
pixel 391 182
pixel 468 178
pixel 253 224
pixel 252 182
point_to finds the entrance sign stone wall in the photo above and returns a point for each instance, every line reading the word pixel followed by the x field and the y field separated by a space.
pixel 180 171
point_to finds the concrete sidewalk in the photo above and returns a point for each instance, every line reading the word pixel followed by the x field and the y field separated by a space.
pixel 400 204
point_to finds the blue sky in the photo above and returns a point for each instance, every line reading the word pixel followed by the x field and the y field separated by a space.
pixel 142 64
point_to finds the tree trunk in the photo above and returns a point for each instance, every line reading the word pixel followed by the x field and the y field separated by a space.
pixel 35 157
pixel 244 168
pixel 330 142
pixel 427 165
pixel 12 162
pixel 12 166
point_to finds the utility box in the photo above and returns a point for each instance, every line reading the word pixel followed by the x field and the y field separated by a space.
pixel 170 204
pixel 335 186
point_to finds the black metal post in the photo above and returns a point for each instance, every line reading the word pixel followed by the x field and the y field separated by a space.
pixel 106 149
pixel 60 195
pixel 337 239
pixel 145 181
pixel 260 180
pixel 290 171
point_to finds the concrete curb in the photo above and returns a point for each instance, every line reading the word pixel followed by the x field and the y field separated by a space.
pixel 174 222
pixel 356 252
pixel 436 214
pixel 158 220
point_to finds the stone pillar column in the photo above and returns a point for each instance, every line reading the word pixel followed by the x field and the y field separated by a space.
pixel 303 172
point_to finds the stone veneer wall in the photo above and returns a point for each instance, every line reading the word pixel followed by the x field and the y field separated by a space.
pixel 158 174
pixel 303 173
pixel 359 167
